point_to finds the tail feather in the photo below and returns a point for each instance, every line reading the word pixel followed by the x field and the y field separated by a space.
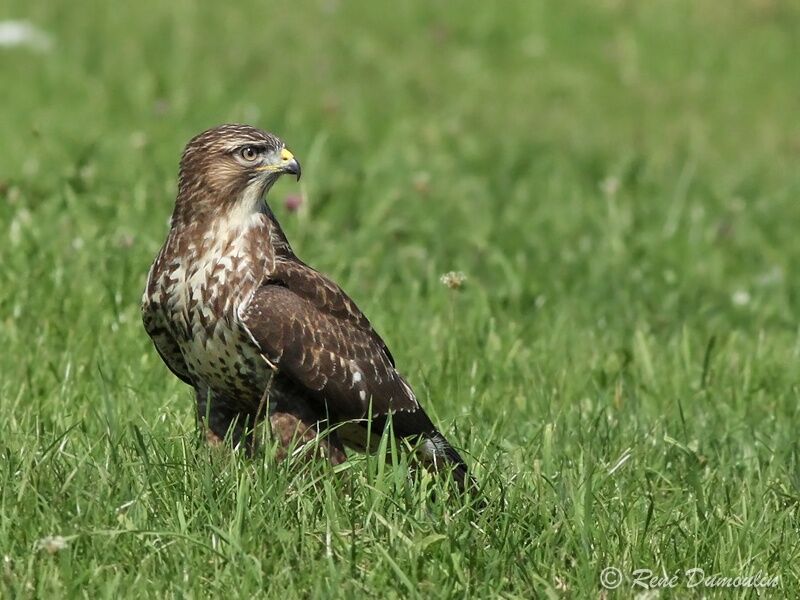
pixel 438 452
pixel 433 448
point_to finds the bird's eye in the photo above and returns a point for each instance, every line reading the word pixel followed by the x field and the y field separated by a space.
pixel 249 153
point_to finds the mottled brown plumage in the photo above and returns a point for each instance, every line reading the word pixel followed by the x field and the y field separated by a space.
pixel 258 333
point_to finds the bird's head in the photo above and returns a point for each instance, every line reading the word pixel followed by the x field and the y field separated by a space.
pixel 230 166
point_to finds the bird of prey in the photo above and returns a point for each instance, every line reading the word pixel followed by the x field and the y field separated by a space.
pixel 234 313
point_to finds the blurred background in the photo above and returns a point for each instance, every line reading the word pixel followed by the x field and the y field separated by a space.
pixel 609 165
pixel 617 180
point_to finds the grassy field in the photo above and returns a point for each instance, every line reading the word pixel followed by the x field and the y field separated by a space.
pixel 620 183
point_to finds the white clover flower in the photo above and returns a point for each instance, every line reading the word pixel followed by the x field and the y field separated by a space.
pixel 52 544
pixel 24 34
pixel 453 279
pixel 610 186
pixel 740 298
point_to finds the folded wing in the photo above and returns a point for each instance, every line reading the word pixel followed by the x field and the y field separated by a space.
pixel 312 332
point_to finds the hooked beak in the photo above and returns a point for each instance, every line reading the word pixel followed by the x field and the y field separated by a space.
pixel 289 163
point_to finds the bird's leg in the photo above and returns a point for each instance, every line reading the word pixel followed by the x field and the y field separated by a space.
pixel 204 400
pixel 221 422
pixel 297 428
pixel 299 437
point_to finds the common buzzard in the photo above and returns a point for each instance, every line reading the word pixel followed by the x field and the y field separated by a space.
pixel 257 332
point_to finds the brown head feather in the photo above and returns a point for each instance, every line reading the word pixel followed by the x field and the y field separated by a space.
pixel 211 178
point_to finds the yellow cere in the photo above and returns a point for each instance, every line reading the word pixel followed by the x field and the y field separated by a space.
pixel 286 156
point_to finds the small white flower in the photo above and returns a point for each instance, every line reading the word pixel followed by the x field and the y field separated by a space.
pixel 454 279
pixel 740 298
pixel 52 544
pixel 422 182
pixel 610 186
pixel 23 33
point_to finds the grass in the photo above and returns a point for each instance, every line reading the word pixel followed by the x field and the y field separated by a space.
pixel 619 182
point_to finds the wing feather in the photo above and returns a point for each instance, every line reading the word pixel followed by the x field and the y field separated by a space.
pixel 165 344
pixel 316 335
pixel 326 296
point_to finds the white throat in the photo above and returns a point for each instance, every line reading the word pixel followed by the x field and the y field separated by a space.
pixel 246 212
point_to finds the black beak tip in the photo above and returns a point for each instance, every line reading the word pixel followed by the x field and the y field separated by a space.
pixel 295 169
